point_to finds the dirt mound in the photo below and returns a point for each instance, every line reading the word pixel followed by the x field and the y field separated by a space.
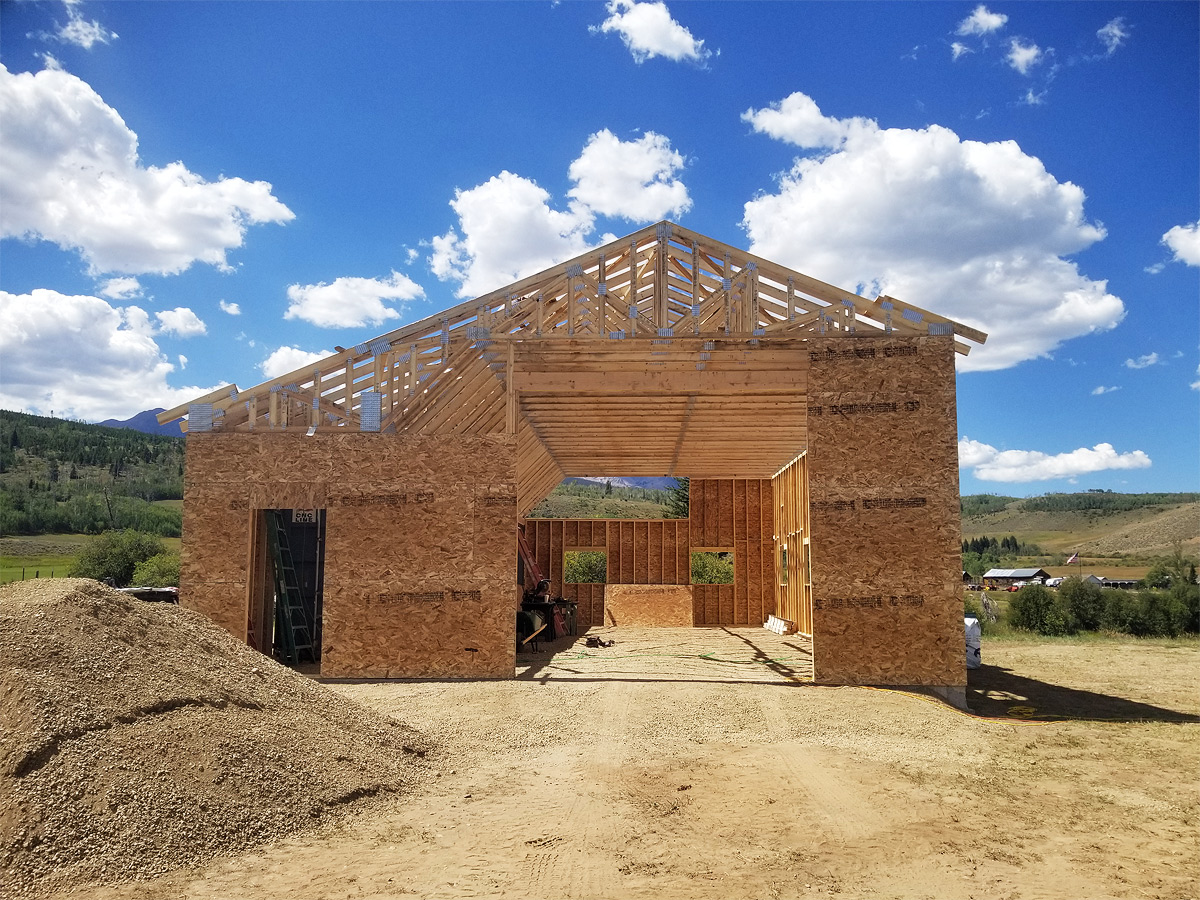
pixel 1155 535
pixel 135 738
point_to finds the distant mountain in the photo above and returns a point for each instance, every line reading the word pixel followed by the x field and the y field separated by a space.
pixel 145 421
pixel 651 483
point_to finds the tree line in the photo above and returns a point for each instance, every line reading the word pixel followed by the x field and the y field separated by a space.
pixel 58 476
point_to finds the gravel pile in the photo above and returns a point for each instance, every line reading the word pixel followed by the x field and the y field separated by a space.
pixel 137 738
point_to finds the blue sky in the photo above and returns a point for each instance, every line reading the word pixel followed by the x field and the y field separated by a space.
pixel 200 193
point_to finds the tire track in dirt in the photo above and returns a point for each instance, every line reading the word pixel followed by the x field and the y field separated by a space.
pixel 581 866
pixel 837 804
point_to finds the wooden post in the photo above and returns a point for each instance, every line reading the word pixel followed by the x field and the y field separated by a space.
pixel 602 300
pixel 314 418
pixel 727 287
pixel 631 294
pixel 511 390
pixel 570 306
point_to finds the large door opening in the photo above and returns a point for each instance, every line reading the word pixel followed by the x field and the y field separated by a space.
pixel 287 585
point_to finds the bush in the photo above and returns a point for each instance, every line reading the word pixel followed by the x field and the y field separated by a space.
pixel 1036 608
pixel 585 567
pixel 1148 613
pixel 1188 597
pixel 115 555
pixel 160 570
pixel 1084 600
pixel 712 567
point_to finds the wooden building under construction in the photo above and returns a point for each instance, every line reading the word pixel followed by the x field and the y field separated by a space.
pixel 817 427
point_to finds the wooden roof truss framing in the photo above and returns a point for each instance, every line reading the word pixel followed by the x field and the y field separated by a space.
pixel 663 352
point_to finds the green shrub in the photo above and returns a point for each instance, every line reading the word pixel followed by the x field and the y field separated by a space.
pixel 160 570
pixel 712 567
pixel 115 555
pixel 1188 597
pixel 1084 600
pixel 585 567
pixel 1156 614
pixel 1036 608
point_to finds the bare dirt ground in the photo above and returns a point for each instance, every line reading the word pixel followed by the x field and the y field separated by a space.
pixel 700 763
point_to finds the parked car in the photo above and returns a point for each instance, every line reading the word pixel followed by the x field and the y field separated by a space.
pixel 1054 582
pixel 1017 585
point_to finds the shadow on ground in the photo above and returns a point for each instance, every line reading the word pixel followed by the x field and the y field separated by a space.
pixel 999 692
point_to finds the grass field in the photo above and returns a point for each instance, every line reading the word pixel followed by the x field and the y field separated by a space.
pixel 46 555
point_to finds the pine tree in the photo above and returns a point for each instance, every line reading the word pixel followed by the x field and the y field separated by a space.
pixel 679 499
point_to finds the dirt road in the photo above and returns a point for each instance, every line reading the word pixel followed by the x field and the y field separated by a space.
pixel 655 769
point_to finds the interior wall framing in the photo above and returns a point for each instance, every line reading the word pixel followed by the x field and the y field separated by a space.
pixel 734 513
pixel 793 532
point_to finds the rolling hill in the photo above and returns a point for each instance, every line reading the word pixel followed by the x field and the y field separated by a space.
pixel 1093 523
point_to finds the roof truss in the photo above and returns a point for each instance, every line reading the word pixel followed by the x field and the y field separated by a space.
pixel 630 357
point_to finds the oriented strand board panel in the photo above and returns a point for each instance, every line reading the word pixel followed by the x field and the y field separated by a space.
pixel 648 605
pixel 419 543
pixel 883 482
pixel 735 514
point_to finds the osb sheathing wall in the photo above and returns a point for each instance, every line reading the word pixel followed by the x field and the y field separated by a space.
pixel 419 551
pixel 883 483
pixel 726 514
pixel 648 605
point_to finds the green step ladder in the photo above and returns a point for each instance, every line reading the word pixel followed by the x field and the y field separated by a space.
pixel 293 631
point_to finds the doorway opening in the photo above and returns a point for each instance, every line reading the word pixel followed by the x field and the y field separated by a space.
pixel 287 585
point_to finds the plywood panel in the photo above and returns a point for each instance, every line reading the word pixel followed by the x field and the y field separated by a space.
pixel 420 543
pixel 667 605
pixel 883 476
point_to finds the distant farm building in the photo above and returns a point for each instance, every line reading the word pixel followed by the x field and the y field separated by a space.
pixel 365 511
pixel 1003 578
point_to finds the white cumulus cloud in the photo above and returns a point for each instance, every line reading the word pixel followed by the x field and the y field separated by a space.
pixel 1014 466
pixel 958 49
pixel 231 309
pixel 123 288
pixel 978 232
pixel 288 359
pixel 181 322
pixel 799 121
pixel 1098 391
pixel 79 31
pixel 350 302
pixel 82 357
pixel 1184 243
pixel 1023 57
pixel 70 174
pixel 508 228
pixel 981 21
pixel 1113 35
pixel 629 179
pixel 648 30
pixel 1142 362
